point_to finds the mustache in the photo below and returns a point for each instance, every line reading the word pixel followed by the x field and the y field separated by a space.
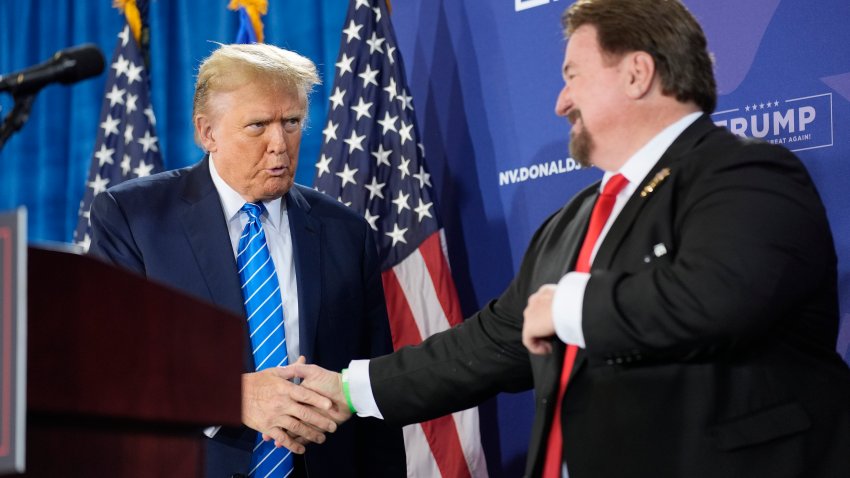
pixel 574 116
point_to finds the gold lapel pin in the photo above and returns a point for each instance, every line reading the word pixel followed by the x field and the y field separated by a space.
pixel 653 184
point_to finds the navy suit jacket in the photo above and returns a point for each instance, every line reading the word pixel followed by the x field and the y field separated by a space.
pixel 170 227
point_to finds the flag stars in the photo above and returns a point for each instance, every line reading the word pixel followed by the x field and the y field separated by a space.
pixel 131 102
pixel 388 123
pixel 397 235
pixel 404 168
pixel 144 169
pixel 128 134
pixel 401 201
pixel 375 188
pixel 110 125
pixel 372 220
pixel 354 142
pixel 352 32
pixel 347 175
pixel 104 155
pixel 323 165
pixel 375 43
pixel 377 11
pixel 151 117
pixel 382 156
pixel 98 185
pixel 330 131
pixel 361 3
pixel 391 89
pixel 405 132
pixel 405 100
pixel 120 66
pixel 337 98
pixel 423 177
pixel 125 165
pixel 369 76
pixel 423 209
pixel 134 73
pixel 124 35
pixel 148 142
pixel 115 96
pixel 362 109
pixel 344 65
pixel 390 51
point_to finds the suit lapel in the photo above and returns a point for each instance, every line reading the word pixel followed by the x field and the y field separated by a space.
pixel 621 226
pixel 206 230
pixel 306 234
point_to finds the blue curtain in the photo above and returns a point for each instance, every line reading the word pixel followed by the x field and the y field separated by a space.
pixel 44 165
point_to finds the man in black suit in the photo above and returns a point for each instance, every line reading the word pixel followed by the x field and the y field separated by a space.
pixel 323 285
pixel 680 324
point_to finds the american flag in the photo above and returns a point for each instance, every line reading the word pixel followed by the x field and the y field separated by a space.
pixel 372 161
pixel 127 146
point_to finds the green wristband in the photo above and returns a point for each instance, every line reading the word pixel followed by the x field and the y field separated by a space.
pixel 346 392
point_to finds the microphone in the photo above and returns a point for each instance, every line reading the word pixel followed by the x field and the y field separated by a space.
pixel 66 66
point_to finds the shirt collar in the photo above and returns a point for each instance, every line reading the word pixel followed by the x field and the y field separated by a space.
pixel 232 201
pixel 639 165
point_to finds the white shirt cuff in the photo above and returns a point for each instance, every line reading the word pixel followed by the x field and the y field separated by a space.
pixel 566 308
pixel 360 389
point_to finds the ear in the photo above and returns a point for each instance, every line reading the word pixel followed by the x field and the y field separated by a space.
pixel 640 74
pixel 204 132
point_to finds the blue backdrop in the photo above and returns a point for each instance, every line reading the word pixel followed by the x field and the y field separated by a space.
pixel 484 77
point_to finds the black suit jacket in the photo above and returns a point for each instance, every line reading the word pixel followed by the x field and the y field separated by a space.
pixel 170 227
pixel 712 356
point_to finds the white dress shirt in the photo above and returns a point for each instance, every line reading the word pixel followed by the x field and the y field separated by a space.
pixel 568 301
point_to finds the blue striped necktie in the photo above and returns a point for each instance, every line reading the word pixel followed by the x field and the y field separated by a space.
pixel 264 307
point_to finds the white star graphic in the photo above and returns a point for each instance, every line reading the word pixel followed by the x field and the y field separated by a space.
pixel 85 243
pixel 423 177
pixel 143 169
pixel 362 109
pixel 421 148
pixel 422 209
pixel 390 51
pixel 148 142
pixel 377 11
pixel 382 155
pixel 149 114
pixel 372 220
pixel 120 66
pixel 131 102
pixel 397 234
pixel 375 188
pixel 99 184
pixel 347 175
pixel 354 142
pixel 134 73
pixel 404 167
pixel 323 165
pixel 339 198
pixel 361 3
pixel 104 155
pixel 124 35
pixel 330 131
pixel 344 65
pixel 404 132
pixel 401 201
pixel 110 125
pixel 353 31
pixel 369 76
pixel 406 100
pixel 125 165
pixel 337 98
pixel 128 134
pixel 375 43
pixel 115 96
pixel 391 89
pixel 388 123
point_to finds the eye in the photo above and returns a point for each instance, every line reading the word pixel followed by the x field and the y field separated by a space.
pixel 291 125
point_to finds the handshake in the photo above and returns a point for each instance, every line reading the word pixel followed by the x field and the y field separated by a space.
pixel 294 415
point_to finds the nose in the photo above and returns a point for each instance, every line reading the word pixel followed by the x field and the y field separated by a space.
pixel 277 138
pixel 564 103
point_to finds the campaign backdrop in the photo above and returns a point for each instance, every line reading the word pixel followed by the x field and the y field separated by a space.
pixel 484 76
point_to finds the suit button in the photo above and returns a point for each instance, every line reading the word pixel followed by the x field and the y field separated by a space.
pixel 610 361
pixel 619 360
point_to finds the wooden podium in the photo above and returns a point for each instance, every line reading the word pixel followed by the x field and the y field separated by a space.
pixel 123 373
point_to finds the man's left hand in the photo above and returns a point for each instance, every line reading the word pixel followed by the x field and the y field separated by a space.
pixel 538 328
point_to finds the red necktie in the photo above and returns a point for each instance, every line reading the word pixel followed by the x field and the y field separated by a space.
pixel 598 218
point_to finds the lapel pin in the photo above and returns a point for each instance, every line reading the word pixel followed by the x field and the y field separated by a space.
pixel 653 184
